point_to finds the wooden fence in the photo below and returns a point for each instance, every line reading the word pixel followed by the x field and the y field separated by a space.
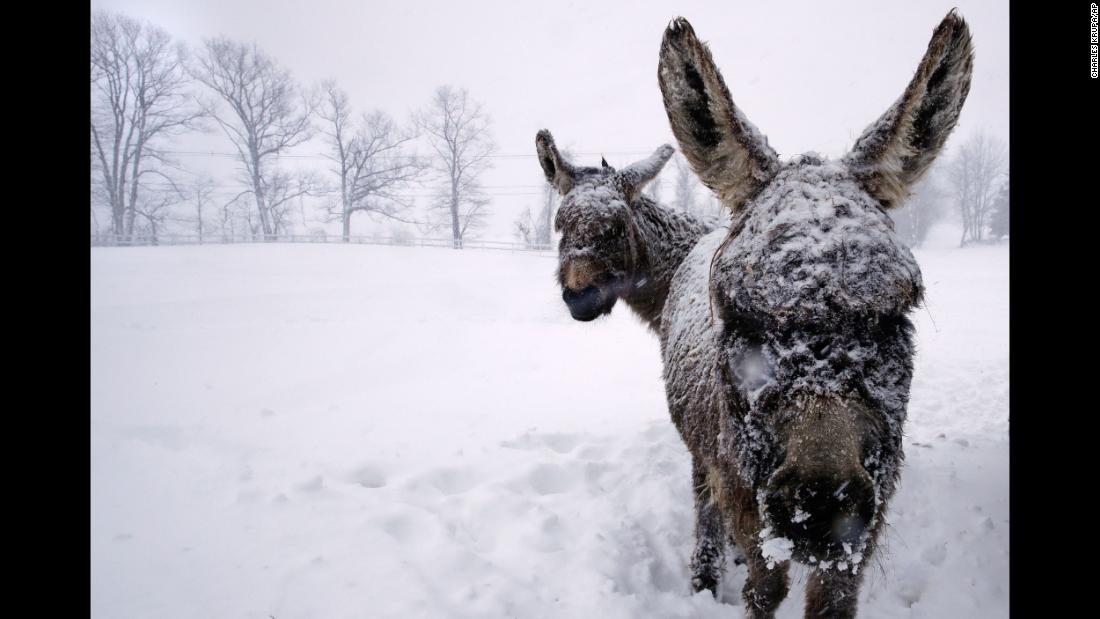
pixel 111 240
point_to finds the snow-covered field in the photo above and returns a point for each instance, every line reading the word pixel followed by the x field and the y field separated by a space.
pixel 324 431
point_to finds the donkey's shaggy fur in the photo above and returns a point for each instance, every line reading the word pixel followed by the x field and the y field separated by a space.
pixel 787 350
pixel 616 243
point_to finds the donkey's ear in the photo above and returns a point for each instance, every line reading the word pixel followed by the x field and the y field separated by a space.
pixel 728 153
pixel 603 162
pixel 559 172
pixel 634 177
pixel 896 151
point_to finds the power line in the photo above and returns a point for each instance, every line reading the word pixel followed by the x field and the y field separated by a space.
pixel 194 153
pixel 230 194
pixel 243 187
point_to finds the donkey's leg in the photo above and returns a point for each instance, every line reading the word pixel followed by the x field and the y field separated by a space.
pixel 736 552
pixel 766 585
pixel 708 561
pixel 832 594
pixel 835 594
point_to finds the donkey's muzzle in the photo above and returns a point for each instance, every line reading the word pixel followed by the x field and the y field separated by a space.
pixel 588 303
pixel 825 516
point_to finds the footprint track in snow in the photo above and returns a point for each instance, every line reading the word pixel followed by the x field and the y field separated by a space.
pixel 558 442
pixel 369 476
pixel 449 481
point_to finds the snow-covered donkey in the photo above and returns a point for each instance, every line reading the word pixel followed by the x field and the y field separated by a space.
pixel 786 343
pixel 618 243
pixel 615 241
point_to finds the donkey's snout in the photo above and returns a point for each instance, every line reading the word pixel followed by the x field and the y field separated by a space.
pixel 588 303
pixel 821 514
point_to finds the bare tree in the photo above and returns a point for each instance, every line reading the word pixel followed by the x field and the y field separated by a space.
pixel 684 186
pixel 653 189
pixel 281 189
pixel 236 217
pixel 200 192
pixel 998 220
pixel 458 131
pixel 923 208
pixel 154 211
pixel 535 232
pixel 975 175
pixel 687 190
pixel 544 227
pixel 544 230
pixel 525 228
pixel 372 160
pixel 690 196
pixel 268 115
pixel 139 97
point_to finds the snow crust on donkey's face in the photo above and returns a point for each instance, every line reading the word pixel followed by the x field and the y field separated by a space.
pixel 595 252
pixel 599 252
pixel 813 287
pixel 813 350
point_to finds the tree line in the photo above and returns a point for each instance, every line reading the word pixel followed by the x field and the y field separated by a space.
pixel 148 91
pixel 688 195
pixel 973 183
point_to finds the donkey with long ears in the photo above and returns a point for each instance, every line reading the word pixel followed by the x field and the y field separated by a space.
pixel 616 242
pixel 786 343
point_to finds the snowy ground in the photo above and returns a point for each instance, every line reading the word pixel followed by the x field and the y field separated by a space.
pixel 329 432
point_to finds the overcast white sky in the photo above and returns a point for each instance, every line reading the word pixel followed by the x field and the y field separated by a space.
pixel 811 75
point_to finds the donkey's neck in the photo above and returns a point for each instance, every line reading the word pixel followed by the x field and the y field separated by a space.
pixel 665 237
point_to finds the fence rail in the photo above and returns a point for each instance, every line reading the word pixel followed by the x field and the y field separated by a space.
pixel 112 240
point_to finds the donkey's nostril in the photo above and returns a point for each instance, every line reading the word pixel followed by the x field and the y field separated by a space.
pixel 588 303
pixel 821 513
pixel 847 528
pixel 571 296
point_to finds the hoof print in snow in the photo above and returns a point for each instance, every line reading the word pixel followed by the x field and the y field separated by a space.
pixel 369 477
pixel 558 442
pixel 547 479
pixel 449 481
pixel 935 554
pixel 911 588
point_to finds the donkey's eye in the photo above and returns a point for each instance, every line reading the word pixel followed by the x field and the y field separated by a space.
pixel 614 231
pixel 745 325
pixel 603 238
